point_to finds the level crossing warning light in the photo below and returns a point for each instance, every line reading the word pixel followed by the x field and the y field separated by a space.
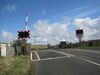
pixel 23 34
pixel 79 34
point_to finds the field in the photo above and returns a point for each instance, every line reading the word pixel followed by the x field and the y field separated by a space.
pixel 16 65
pixel 39 46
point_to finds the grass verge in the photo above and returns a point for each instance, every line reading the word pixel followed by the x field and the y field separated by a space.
pixel 16 65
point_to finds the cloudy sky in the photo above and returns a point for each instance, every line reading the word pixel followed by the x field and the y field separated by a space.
pixel 50 20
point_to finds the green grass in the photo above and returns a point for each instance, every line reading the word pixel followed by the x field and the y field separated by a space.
pixel 17 65
pixel 39 46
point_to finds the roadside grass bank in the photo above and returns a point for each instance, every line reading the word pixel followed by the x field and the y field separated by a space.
pixel 16 65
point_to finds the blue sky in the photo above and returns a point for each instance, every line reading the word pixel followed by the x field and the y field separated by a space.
pixel 12 13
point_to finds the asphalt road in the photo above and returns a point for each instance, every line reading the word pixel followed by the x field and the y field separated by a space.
pixel 66 62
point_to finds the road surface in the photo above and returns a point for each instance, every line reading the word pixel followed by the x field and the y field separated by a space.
pixel 66 62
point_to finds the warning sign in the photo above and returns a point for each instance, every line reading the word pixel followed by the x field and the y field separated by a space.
pixel 23 45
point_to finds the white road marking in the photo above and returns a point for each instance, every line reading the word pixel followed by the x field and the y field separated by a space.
pixel 59 52
pixel 37 55
pixel 50 58
pixel 66 55
pixel 83 50
pixel 88 61
pixel 92 62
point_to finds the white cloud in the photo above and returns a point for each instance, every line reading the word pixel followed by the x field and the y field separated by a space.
pixel 59 31
pixel 7 36
pixel 10 8
pixel 52 32
pixel 91 27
